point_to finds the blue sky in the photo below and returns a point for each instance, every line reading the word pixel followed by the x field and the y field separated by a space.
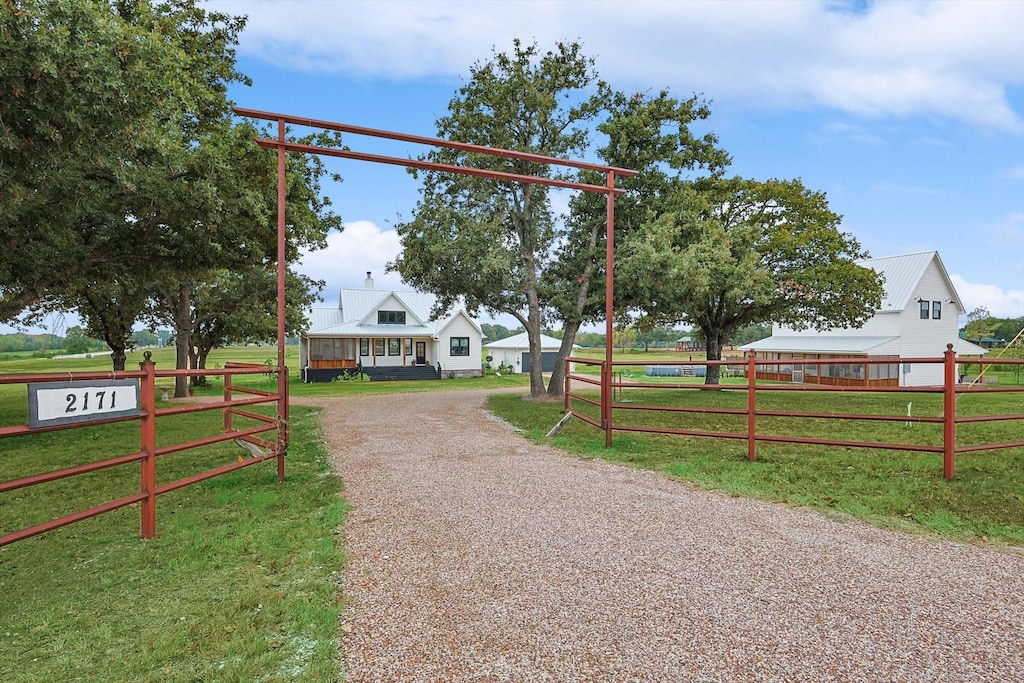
pixel 908 115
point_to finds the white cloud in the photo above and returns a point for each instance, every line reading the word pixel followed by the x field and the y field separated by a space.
pixel 1001 303
pixel 362 246
pixel 950 59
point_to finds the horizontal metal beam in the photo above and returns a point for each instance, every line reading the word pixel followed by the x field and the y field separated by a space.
pixel 432 166
pixel 433 142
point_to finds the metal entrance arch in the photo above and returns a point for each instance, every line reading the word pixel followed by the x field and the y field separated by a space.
pixel 282 146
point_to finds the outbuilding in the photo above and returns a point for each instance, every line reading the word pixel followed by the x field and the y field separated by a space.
pixel 514 352
pixel 919 315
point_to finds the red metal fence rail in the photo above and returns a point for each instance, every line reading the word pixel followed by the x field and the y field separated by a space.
pixel 148 452
pixel 950 389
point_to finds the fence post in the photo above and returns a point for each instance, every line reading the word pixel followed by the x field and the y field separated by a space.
pixel 282 419
pixel 949 414
pixel 228 425
pixel 565 389
pixel 148 446
pixel 751 406
pixel 606 401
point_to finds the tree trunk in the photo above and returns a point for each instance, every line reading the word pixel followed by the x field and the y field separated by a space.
pixel 713 339
pixel 118 357
pixel 182 338
pixel 536 373
pixel 556 385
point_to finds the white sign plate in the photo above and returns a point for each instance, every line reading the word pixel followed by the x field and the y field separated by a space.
pixel 52 403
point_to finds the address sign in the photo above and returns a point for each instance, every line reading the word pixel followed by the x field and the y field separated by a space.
pixel 53 403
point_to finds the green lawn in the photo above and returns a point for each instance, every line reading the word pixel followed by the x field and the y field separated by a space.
pixel 240 583
pixel 894 489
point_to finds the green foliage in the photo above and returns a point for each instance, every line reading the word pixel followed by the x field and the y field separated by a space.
pixel 498 332
pixel 101 107
pixel 77 341
pixel 731 252
pixel 30 342
pixel 981 324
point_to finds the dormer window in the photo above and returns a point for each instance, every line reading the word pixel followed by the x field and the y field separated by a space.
pixel 925 308
pixel 390 317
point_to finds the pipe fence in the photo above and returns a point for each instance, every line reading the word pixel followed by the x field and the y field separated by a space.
pixel 138 390
pixel 610 403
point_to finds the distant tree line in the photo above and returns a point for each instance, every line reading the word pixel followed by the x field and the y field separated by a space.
pixel 983 325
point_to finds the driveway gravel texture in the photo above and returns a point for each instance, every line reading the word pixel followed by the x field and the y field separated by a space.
pixel 477 555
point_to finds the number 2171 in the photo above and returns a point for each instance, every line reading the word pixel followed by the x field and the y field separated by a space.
pixel 98 397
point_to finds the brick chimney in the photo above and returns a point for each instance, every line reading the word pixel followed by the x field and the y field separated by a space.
pixel 368 283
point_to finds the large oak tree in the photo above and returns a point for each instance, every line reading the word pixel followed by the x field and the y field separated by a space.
pixel 729 252
pixel 483 243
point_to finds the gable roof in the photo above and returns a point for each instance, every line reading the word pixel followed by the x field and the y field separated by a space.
pixel 900 275
pixel 354 315
pixel 522 341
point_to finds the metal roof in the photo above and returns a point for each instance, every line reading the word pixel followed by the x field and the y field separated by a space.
pixel 522 341
pixel 354 316
pixel 825 343
pixel 900 275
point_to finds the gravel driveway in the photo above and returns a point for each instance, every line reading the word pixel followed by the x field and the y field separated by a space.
pixel 476 555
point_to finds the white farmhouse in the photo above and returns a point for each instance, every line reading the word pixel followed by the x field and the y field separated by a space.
pixel 919 315
pixel 388 334
pixel 514 352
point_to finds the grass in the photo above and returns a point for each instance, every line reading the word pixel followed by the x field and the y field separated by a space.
pixel 985 502
pixel 239 583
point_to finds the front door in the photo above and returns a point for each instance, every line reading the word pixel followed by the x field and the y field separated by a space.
pixel 421 353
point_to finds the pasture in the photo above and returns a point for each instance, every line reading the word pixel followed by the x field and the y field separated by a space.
pixel 241 581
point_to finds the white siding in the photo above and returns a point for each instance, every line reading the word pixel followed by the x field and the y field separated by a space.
pixel 459 327
pixel 921 338
pixel 506 356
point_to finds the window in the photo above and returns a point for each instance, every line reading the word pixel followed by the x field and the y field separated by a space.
pixel 390 317
pixel 460 346
pixel 378 347
pixel 408 347
pixel 394 346
pixel 325 349
pixel 936 310
pixel 925 307
pixel 364 347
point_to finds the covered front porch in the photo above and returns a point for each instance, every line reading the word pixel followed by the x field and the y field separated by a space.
pixel 324 358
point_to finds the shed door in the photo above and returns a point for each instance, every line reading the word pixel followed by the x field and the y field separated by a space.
pixel 547 361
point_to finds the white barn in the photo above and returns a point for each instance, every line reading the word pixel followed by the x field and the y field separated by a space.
pixel 919 315
pixel 388 334
pixel 514 352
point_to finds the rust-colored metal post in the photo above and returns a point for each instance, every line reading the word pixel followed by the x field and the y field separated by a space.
pixel 228 426
pixel 282 423
pixel 147 428
pixel 949 414
pixel 609 308
pixel 751 406
pixel 282 373
pixel 565 393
